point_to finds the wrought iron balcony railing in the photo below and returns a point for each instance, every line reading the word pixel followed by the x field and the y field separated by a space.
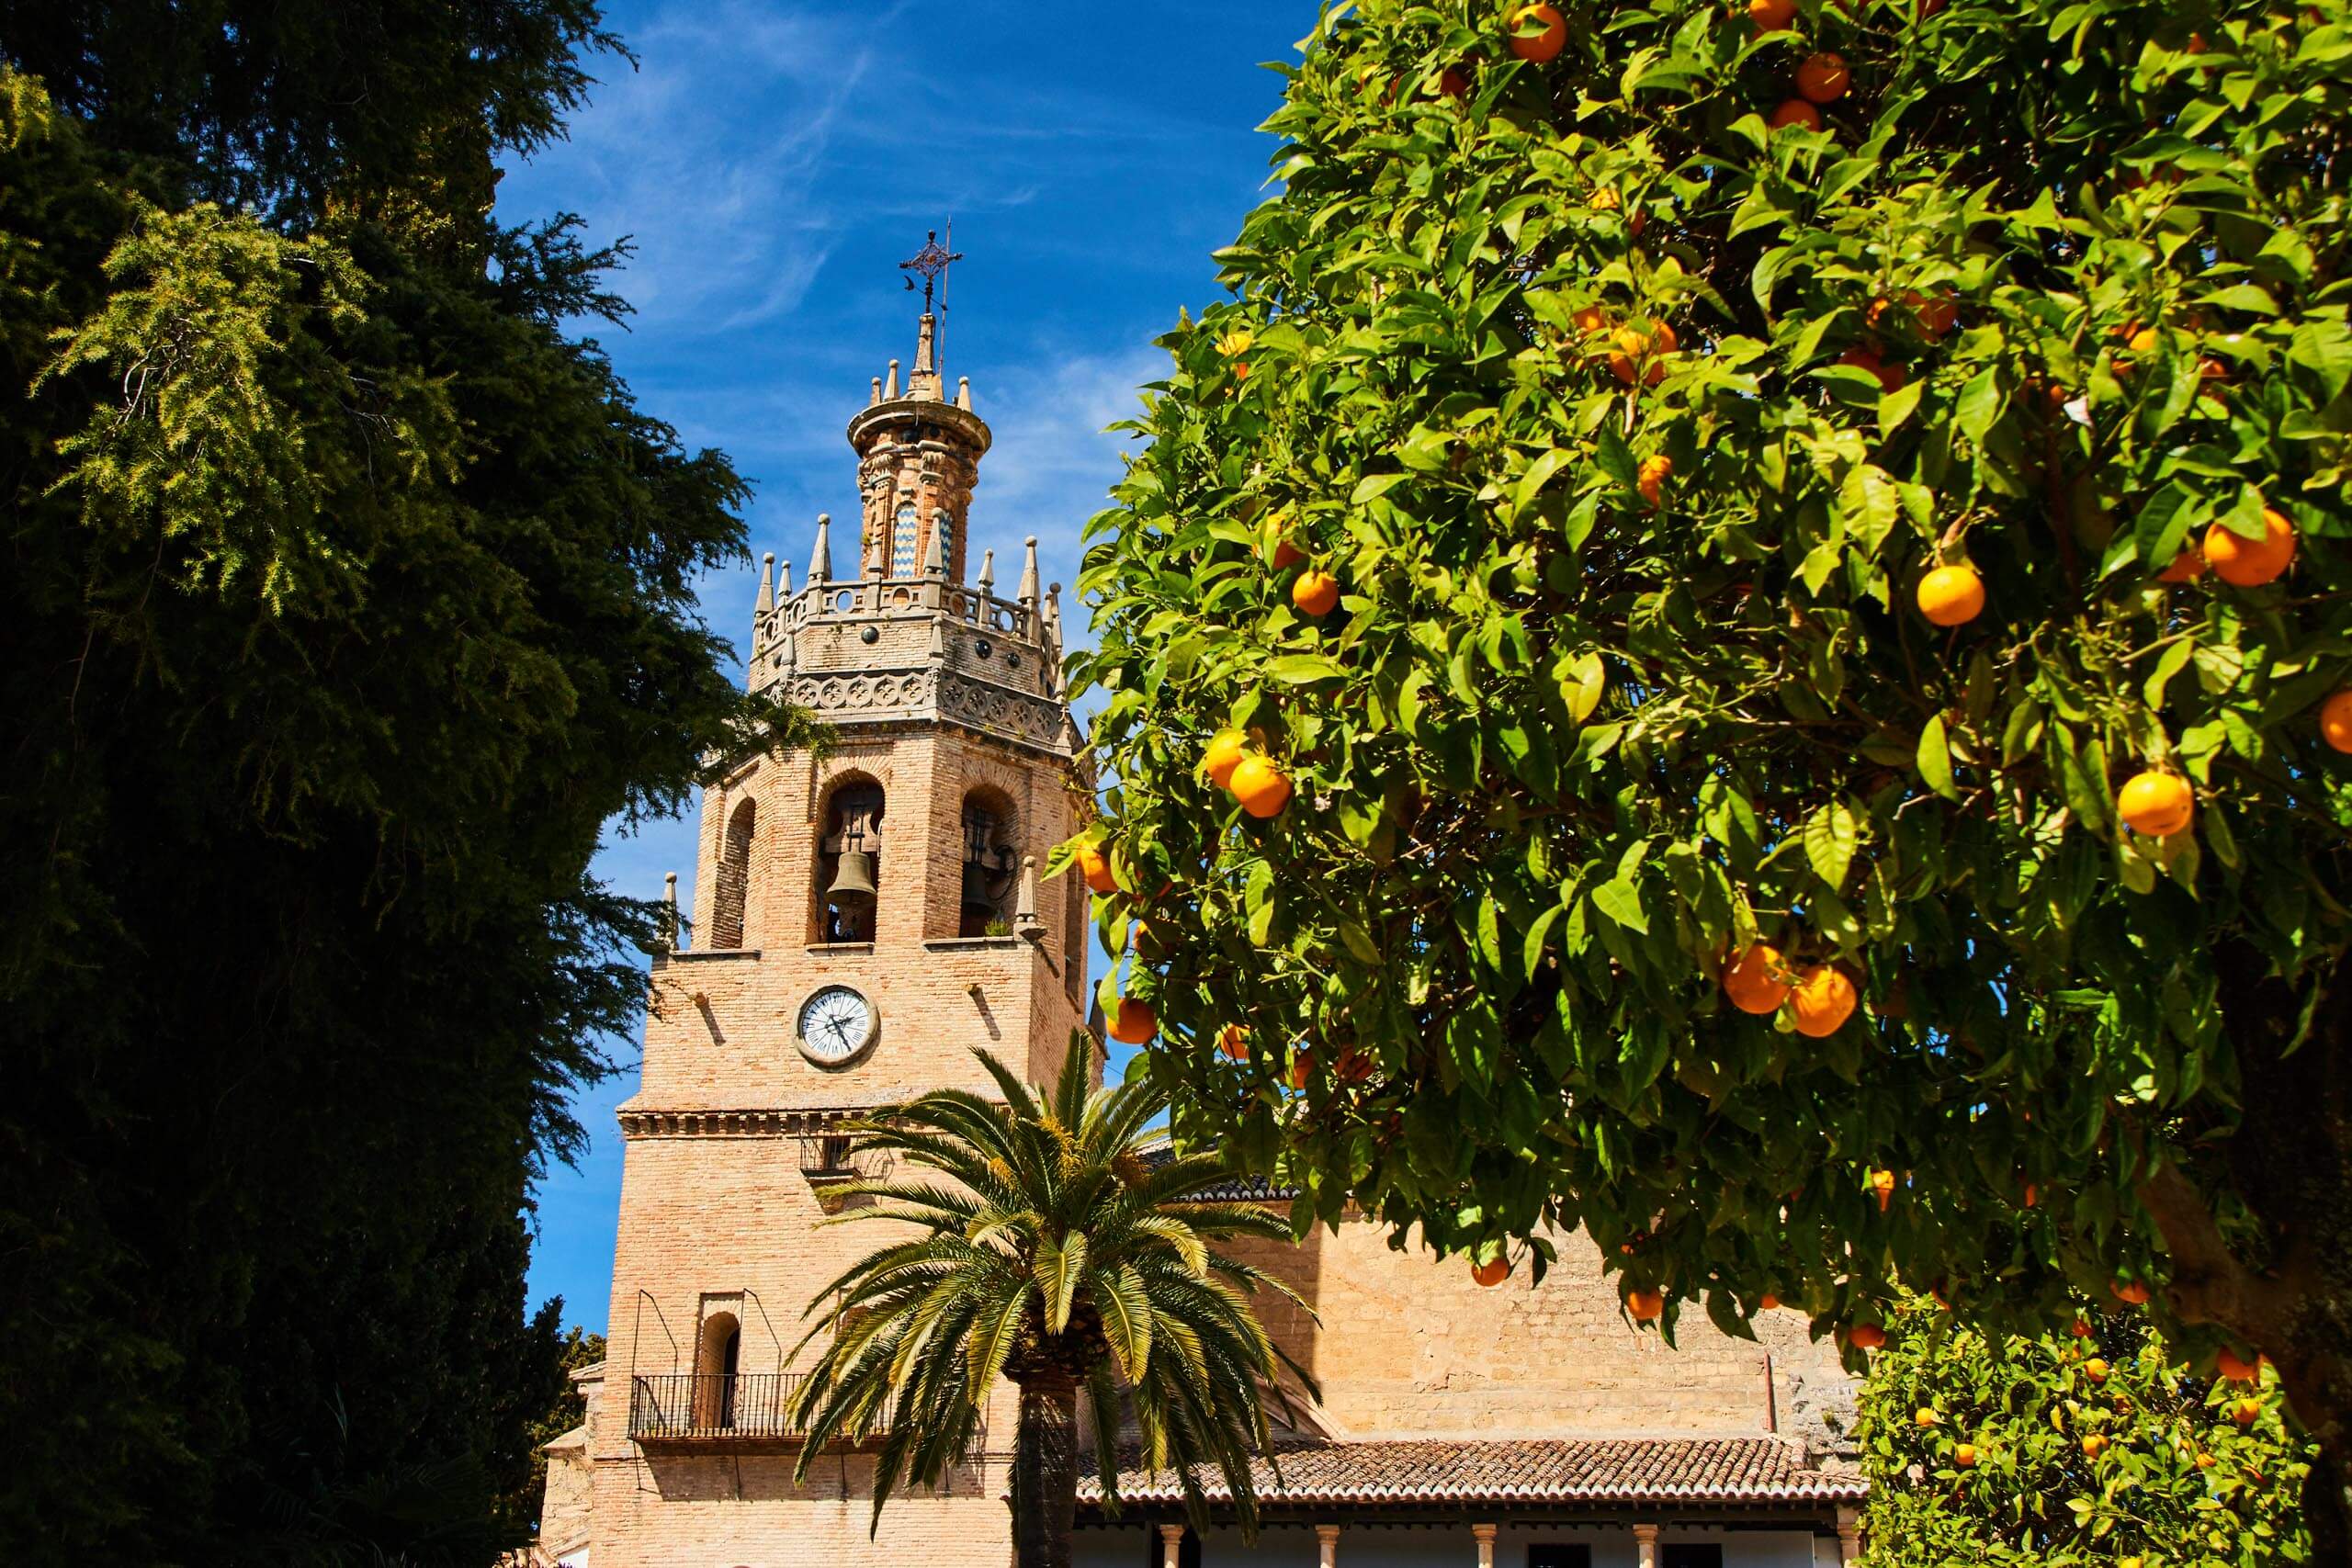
pixel 713 1406
pixel 717 1407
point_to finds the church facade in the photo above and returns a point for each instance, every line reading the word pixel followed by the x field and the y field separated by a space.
pixel 866 914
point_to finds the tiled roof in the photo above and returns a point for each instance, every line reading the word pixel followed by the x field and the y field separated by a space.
pixel 1535 1470
pixel 1238 1189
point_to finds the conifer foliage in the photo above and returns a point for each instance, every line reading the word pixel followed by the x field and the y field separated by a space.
pixel 1827 764
pixel 348 594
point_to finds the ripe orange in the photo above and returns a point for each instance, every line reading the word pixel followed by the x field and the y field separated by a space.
pixel 1136 1022
pixel 1222 755
pixel 1889 377
pixel 1631 347
pixel 1760 982
pixel 1823 1000
pixel 1937 314
pixel 2032 1194
pixel 1922 1417
pixel 1455 83
pixel 1822 79
pixel 1952 596
pixel 1866 1336
pixel 2093 1446
pixel 1492 1273
pixel 1795 111
pixel 1645 1306
pixel 1882 1185
pixel 1654 472
pixel 2158 805
pixel 2237 1368
pixel 1095 866
pixel 1287 555
pixel 2335 720
pixel 1262 787
pixel 1771 16
pixel 1590 319
pixel 2247 1412
pixel 2187 566
pixel 2096 1370
pixel 1302 1067
pixel 1539 46
pixel 2133 1292
pixel 1315 592
pixel 1233 1041
pixel 2082 1328
pixel 2204 1461
pixel 1768 1302
pixel 2249 563
pixel 1963 1456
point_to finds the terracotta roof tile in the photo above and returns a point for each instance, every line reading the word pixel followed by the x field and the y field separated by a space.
pixel 1536 1470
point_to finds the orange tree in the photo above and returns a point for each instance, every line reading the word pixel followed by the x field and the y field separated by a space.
pixel 2078 1448
pixel 1829 504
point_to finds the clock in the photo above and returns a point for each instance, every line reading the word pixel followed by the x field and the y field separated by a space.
pixel 837 1025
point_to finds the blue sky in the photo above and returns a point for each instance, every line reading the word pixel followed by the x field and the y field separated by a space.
pixel 774 162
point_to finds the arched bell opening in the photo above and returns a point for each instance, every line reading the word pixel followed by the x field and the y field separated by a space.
pixel 989 886
pixel 849 862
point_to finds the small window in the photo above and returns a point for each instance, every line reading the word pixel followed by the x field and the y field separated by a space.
pixel 1559 1554
pixel 849 863
pixel 1683 1554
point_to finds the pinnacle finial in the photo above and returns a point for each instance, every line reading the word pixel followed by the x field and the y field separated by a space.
pixel 784 581
pixel 820 559
pixel 878 391
pixel 963 393
pixel 767 585
pixel 988 570
pixel 890 388
pixel 934 560
pixel 1028 594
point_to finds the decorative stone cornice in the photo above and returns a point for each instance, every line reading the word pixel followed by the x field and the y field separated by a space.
pixel 770 1121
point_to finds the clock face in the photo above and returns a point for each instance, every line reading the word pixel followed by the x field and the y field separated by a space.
pixel 837 1024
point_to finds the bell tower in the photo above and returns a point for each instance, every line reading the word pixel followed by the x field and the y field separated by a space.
pixel 865 914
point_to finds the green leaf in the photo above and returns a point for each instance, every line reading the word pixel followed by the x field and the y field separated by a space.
pixel 1935 758
pixel 1980 405
pixel 1620 899
pixel 1299 668
pixel 1831 835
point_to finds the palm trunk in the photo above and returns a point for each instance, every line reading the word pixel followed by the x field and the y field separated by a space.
pixel 1044 1470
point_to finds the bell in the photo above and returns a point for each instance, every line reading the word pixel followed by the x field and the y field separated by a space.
pixel 853 876
pixel 975 887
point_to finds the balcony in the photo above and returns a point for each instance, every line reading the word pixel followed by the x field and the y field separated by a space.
pixel 717 1408
pixel 714 1406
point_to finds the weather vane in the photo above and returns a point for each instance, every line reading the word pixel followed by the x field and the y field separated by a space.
pixel 931 261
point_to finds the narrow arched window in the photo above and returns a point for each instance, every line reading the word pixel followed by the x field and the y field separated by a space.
pixel 991 870
pixel 717 1353
pixel 734 877
pixel 849 863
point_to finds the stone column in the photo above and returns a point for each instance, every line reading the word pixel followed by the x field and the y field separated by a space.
pixel 1849 1536
pixel 1645 1545
pixel 1171 1545
pixel 1328 1539
pixel 1485 1536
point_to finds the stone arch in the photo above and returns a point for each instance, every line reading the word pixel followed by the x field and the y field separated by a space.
pixel 731 890
pixel 849 823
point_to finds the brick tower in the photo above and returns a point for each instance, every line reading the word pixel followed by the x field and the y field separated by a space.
pixel 862 919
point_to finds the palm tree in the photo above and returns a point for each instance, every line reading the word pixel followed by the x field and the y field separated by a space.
pixel 1055 1255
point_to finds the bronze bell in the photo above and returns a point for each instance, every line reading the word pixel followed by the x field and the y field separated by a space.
pixel 975 887
pixel 853 876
